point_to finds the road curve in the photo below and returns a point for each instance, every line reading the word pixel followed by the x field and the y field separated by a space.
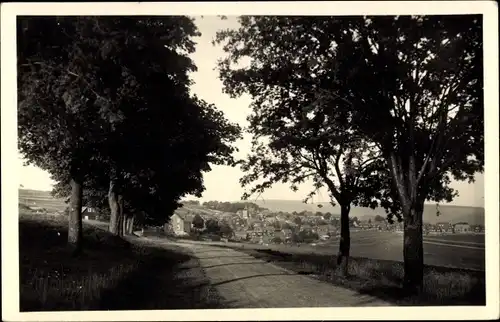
pixel 247 282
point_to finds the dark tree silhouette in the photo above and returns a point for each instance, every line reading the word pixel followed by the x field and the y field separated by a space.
pixel 409 85
pixel 303 141
pixel 198 222
pixel 101 106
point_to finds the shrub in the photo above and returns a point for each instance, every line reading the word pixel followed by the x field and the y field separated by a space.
pixel 276 240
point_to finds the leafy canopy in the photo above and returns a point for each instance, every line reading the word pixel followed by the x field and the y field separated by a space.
pixel 409 85
pixel 295 136
pixel 109 98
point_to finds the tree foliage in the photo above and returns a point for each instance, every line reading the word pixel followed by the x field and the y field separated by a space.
pixel 409 85
pixel 198 222
pixel 295 137
pixel 107 99
pixel 232 206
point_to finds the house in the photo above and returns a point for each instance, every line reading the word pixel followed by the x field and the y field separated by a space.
pixel 283 234
pixel 477 228
pixel 323 230
pixel 398 226
pixel 240 234
pixel 444 227
pixel 89 213
pixel 324 236
pixel 243 213
pixel 306 227
pixel 462 227
pixel 181 223
pixel 265 239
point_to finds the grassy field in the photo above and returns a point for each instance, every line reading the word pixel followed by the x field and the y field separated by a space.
pixel 381 278
pixel 112 274
pixel 41 199
pixel 115 274
pixel 472 239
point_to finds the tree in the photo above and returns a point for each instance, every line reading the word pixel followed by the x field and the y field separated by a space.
pixel 433 125
pixel 307 236
pixel 93 97
pixel 379 218
pixel 198 222
pixel 191 202
pixel 276 240
pixel 226 230
pixel 327 216
pixel 58 129
pixel 294 139
pixel 410 85
pixel 297 220
pixel 212 226
pixel 353 220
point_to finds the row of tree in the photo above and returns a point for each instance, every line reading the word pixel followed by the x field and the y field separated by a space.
pixel 212 226
pixel 383 111
pixel 233 207
pixel 104 106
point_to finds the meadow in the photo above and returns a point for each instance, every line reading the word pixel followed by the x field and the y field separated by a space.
pixel 111 274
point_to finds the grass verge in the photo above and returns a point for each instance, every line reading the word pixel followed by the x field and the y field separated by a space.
pixel 111 274
pixel 383 279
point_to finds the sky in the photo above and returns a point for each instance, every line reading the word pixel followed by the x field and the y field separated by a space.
pixel 222 182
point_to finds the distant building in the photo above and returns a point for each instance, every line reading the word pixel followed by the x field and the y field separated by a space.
pixel 462 227
pixel 181 224
pixel 243 213
pixel 265 239
pixel 240 234
pixel 306 227
pixel 89 213
pixel 444 227
pixel 477 228
pixel 283 234
pixel 323 230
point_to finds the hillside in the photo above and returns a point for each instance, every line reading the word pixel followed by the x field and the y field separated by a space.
pixel 41 199
pixel 27 193
pixel 449 213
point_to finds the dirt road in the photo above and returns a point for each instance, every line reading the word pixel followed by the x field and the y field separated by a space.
pixel 247 282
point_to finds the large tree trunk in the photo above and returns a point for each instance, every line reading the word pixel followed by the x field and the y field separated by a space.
pixel 113 206
pixel 130 224
pixel 412 204
pixel 121 217
pixel 124 225
pixel 345 240
pixel 75 233
pixel 413 251
pixel 114 199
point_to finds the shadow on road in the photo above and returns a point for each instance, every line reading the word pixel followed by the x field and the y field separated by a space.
pixel 230 256
pixel 157 284
pixel 249 277
pixel 237 263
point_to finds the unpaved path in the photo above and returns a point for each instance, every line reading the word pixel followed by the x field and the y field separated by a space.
pixel 246 282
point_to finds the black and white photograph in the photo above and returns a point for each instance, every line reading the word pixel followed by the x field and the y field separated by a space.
pixel 178 161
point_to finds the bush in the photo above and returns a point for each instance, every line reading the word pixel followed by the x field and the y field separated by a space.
pixel 215 237
pixel 276 240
